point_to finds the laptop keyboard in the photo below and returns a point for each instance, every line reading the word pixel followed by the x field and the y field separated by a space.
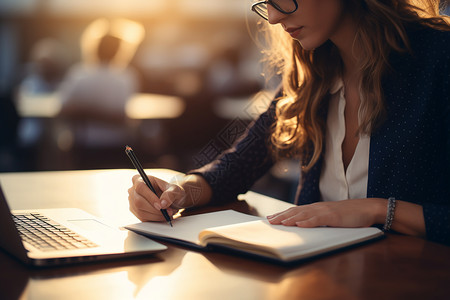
pixel 48 235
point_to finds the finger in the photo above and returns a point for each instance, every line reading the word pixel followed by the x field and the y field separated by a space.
pixel 173 196
pixel 172 211
pixel 137 201
pixel 145 216
pixel 162 188
pixel 143 202
pixel 299 216
pixel 284 215
pixel 286 212
pixel 135 178
pixel 274 215
pixel 148 214
pixel 314 221
pixel 143 190
pixel 158 184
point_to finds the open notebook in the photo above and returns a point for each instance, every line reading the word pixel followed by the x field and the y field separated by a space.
pixel 255 235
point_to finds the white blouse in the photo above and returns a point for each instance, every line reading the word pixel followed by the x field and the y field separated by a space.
pixel 336 184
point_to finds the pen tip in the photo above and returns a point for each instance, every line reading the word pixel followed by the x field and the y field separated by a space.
pixel 170 222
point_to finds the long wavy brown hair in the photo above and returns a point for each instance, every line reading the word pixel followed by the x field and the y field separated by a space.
pixel 307 75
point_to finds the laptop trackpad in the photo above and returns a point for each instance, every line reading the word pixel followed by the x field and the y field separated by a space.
pixel 89 224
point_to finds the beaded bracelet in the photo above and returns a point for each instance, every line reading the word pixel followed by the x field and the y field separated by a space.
pixel 389 214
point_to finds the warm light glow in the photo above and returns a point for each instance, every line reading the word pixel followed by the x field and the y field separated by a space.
pixel 140 106
pixel 42 106
pixel 131 33
pixel 101 285
pixel 178 214
pixel 107 7
pixel 198 278
pixel 152 106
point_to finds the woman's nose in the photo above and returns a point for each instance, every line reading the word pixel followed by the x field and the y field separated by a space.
pixel 274 15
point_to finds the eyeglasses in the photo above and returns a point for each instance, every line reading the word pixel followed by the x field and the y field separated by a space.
pixel 284 6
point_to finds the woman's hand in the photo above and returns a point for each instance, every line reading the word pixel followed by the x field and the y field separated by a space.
pixel 408 218
pixel 145 205
pixel 346 213
pixel 182 192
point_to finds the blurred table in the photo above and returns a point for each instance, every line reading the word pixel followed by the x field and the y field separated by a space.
pixel 139 106
pixel 397 267
pixel 61 143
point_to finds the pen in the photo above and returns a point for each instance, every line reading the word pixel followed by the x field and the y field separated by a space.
pixel 141 171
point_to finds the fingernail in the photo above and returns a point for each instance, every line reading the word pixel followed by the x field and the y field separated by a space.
pixel 157 205
pixel 164 203
pixel 270 217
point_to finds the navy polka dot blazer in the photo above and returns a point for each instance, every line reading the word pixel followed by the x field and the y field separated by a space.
pixel 409 154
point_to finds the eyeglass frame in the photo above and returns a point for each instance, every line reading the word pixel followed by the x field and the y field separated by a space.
pixel 274 5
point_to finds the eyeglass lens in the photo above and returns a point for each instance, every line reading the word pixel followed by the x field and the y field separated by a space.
pixel 284 6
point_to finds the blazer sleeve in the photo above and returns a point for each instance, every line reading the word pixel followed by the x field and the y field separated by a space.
pixel 410 151
pixel 238 168
pixel 437 214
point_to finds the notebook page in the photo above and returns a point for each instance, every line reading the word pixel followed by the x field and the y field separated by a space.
pixel 188 228
pixel 288 242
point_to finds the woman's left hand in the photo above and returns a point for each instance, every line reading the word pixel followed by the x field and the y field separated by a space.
pixel 345 213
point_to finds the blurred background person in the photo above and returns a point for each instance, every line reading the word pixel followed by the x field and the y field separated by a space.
pixel 41 78
pixel 94 93
pixel 99 89
pixel 46 68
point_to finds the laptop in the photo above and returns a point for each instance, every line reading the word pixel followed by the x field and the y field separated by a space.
pixel 50 237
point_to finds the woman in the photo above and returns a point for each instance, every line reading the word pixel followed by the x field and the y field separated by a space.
pixel 365 105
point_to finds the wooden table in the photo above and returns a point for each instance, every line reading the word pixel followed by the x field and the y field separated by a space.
pixel 397 267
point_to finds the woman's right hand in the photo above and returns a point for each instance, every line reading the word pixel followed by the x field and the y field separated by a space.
pixel 182 192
